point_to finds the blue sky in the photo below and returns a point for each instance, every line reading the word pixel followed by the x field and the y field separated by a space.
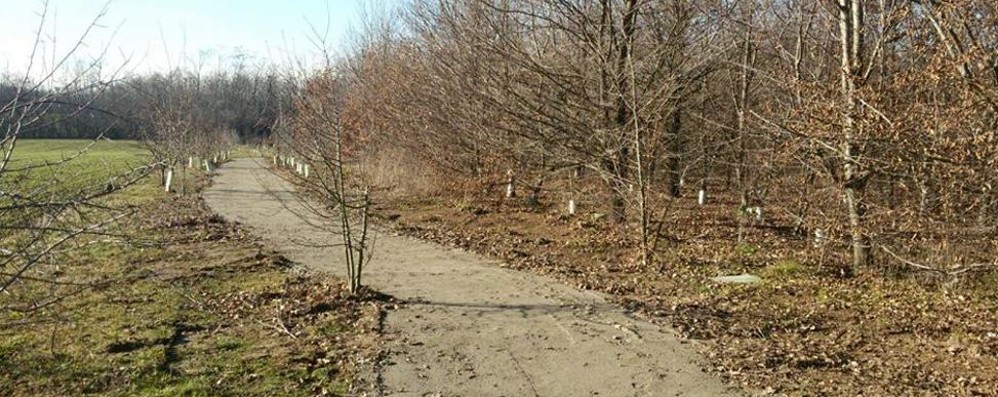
pixel 156 35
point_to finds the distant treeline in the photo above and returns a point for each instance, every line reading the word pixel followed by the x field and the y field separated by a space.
pixel 248 104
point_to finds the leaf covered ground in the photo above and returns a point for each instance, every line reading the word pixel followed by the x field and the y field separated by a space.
pixel 809 329
pixel 187 305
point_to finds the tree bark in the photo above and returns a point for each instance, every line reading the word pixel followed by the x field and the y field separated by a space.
pixel 622 119
pixel 676 146
pixel 851 37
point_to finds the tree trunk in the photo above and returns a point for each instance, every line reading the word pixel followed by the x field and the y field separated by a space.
pixel 676 146
pixel 622 119
pixel 745 81
pixel 618 209
pixel 851 37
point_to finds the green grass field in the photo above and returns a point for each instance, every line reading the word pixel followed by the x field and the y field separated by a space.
pixel 176 303
pixel 57 169
pixel 35 151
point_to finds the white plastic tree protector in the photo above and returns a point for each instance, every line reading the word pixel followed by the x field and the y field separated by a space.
pixel 169 178
pixel 510 189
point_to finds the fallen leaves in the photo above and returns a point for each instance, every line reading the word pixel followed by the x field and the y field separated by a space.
pixel 805 330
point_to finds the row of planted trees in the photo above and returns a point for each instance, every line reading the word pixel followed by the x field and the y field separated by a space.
pixel 179 132
pixel 190 119
pixel 869 122
pixel 182 116
pixel 52 202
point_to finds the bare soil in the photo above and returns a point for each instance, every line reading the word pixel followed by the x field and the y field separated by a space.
pixel 467 326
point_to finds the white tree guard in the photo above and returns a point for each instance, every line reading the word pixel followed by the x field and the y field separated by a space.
pixel 169 179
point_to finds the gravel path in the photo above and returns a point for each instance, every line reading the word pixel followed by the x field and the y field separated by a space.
pixel 469 327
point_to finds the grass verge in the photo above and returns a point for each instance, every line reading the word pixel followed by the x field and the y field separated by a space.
pixel 183 304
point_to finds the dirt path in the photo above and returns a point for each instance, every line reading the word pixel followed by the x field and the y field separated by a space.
pixel 471 328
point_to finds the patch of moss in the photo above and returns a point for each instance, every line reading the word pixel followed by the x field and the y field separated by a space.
pixel 782 269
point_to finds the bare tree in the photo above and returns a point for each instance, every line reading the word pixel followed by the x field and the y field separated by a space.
pixel 816 110
pixel 317 137
pixel 46 206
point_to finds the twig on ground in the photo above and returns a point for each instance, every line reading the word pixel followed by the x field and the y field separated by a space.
pixel 954 272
